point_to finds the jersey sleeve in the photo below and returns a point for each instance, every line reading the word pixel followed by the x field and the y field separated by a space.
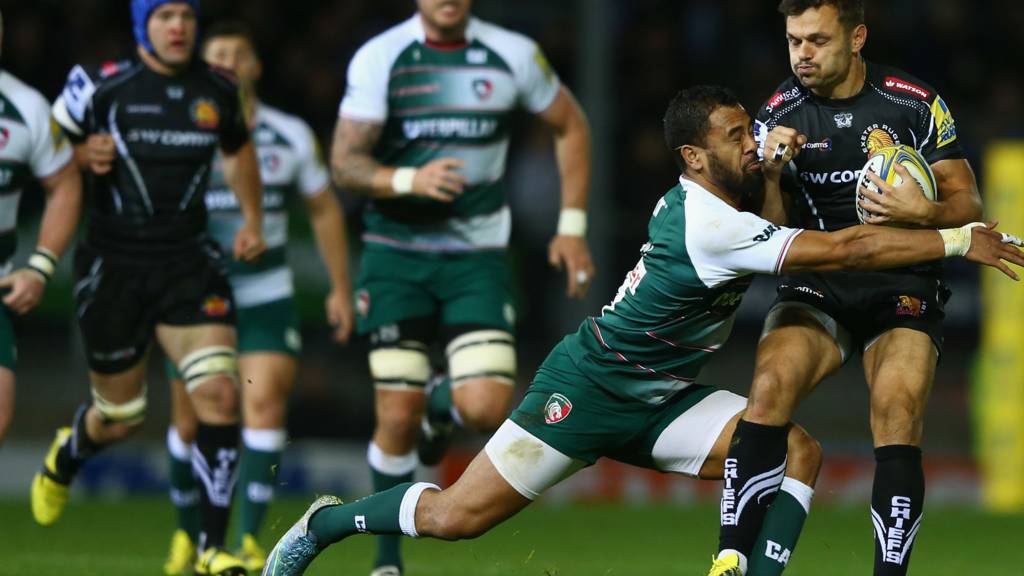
pixel 536 80
pixel 50 149
pixel 366 87
pixel 312 175
pixel 761 131
pixel 731 244
pixel 939 141
pixel 71 109
pixel 233 131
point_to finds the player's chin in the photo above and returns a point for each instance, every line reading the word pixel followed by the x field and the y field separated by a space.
pixel 752 167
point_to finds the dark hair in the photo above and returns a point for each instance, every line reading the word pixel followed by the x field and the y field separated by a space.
pixel 851 12
pixel 686 120
pixel 229 28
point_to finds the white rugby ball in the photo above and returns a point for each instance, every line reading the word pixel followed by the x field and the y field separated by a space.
pixel 883 161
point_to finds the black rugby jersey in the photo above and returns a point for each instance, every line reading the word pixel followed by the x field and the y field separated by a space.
pixel 892 108
pixel 166 130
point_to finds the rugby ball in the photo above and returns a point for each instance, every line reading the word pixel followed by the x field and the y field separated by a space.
pixel 883 161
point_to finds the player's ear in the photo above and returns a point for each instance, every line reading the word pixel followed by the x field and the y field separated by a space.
pixel 693 157
pixel 858 37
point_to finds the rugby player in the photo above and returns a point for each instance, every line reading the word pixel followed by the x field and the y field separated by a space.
pixel 31 145
pixel 847 107
pixel 146 131
pixel 269 342
pixel 624 385
pixel 423 131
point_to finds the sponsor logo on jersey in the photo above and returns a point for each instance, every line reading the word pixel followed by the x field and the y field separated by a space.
pixel 57 135
pixel 837 177
pixel 417 90
pixel 483 88
pixel 449 128
pixel 779 97
pixel 362 303
pixel 205 114
pixel 5 137
pixel 767 233
pixel 823 146
pixel 893 83
pixel 803 289
pixel 877 136
pixel 172 137
pixel 143 109
pixel 108 69
pixel 216 306
pixel 557 409
pixel 910 306
pixel 476 56
pixel 545 67
pixel 944 125
pixel 844 120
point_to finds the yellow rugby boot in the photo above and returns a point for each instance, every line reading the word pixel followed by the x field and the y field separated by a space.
pixel 251 553
pixel 727 566
pixel 181 555
pixel 219 562
pixel 48 495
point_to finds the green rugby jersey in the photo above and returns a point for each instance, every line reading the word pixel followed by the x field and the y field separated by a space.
pixel 31 145
pixel 446 101
pixel 290 163
pixel 677 306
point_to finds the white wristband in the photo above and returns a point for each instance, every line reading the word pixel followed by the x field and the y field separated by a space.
pixel 401 180
pixel 43 261
pixel 572 222
pixel 958 240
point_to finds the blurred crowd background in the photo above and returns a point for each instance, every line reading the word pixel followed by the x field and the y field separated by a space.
pixel 624 59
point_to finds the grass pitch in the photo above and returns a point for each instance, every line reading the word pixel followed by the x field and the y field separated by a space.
pixel 129 537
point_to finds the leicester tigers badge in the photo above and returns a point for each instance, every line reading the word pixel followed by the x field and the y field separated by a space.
pixel 557 409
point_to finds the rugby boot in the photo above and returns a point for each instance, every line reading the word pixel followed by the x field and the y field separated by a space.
pixel 728 566
pixel 181 555
pixel 218 562
pixel 386 571
pixel 49 496
pixel 298 547
pixel 252 554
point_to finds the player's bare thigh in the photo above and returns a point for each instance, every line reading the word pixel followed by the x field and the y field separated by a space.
pixel 899 367
pixel 216 400
pixel 794 355
pixel 478 501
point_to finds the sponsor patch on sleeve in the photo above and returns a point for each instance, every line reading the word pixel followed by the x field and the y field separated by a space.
pixel 945 127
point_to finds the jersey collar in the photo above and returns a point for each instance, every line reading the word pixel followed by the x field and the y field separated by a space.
pixel 416 23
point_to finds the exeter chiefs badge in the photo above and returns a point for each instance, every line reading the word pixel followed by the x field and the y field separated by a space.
pixel 557 409
pixel 483 88
pixel 216 307
pixel 205 114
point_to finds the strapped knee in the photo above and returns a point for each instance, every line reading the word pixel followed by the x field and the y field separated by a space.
pixel 208 363
pixel 130 413
pixel 482 354
pixel 402 366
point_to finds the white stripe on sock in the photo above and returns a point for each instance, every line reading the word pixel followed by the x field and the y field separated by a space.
pixel 799 491
pixel 272 440
pixel 407 511
pixel 179 450
pixel 391 465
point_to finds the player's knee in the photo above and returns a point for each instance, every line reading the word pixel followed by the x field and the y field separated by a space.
pixel 263 409
pixel 771 398
pixel 896 409
pixel 120 418
pixel 803 456
pixel 217 396
pixel 485 413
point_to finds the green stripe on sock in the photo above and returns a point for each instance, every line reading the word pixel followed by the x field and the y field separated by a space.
pixel 778 536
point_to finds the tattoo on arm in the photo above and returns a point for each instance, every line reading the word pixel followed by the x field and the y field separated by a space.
pixel 352 164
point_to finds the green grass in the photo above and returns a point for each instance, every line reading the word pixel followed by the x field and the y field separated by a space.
pixel 129 538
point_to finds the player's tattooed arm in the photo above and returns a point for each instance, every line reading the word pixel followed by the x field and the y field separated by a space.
pixel 354 168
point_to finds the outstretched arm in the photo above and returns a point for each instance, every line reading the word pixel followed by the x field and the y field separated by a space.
pixel 878 247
